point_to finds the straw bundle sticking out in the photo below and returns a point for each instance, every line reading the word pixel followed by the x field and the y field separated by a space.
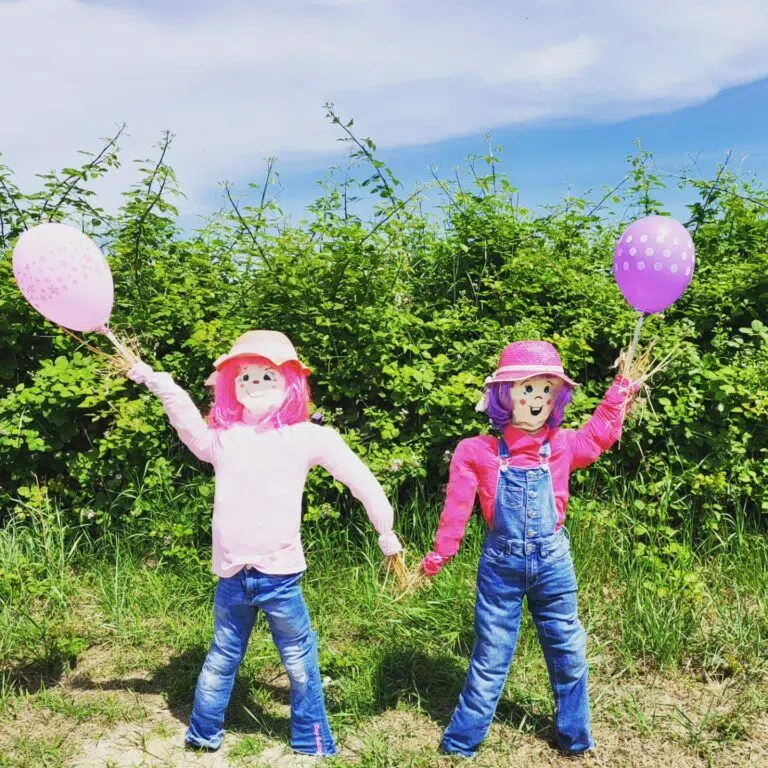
pixel 396 565
pixel 640 366
pixel 127 352
pixel 125 357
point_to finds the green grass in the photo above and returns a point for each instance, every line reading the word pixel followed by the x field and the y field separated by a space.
pixel 84 623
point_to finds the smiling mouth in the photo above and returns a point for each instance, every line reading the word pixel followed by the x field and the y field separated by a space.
pixel 536 411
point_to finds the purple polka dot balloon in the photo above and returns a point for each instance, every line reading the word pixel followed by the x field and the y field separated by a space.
pixel 64 276
pixel 653 263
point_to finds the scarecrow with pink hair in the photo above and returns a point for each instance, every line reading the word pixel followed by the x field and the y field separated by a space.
pixel 261 443
pixel 522 480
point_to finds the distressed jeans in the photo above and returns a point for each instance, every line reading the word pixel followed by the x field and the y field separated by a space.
pixel 237 601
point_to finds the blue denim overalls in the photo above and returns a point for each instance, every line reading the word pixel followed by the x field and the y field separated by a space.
pixel 523 555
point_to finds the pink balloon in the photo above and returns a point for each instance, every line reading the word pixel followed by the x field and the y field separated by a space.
pixel 64 276
pixel 653 263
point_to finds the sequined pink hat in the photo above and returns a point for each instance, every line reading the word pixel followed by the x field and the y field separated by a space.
pixel 525 359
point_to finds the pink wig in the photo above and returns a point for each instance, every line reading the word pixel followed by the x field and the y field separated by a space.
pixel 226 411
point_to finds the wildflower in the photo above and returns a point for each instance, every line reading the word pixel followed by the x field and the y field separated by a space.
pixel 396 465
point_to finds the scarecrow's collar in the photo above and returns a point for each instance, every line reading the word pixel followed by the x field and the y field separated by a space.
pixel 520 440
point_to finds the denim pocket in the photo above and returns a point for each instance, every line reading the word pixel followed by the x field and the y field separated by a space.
pixel 493 550
pixel 511 495
pixel 560 548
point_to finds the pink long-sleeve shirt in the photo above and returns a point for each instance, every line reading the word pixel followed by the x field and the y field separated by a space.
pixel 260 477
pixel 475 467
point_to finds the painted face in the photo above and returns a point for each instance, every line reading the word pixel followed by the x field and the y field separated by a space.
pixel 259 388
pixel 532 401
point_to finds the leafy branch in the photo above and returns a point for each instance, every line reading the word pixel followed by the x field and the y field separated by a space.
pixel 366 149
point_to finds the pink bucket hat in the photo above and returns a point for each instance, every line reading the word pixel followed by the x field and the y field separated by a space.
pixel 273 345
pixel 525 359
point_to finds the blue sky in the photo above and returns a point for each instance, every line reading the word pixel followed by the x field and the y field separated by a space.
pixel 547 161
pixel 564 87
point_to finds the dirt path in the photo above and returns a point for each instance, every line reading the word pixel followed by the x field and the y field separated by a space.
pixel 87 721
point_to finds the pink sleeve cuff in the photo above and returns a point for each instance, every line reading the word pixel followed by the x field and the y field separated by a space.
pixel 140 373
pixel 432 563
pixel 390 544
pixel 625 385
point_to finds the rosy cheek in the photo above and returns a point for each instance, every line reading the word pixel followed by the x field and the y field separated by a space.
pixel 523 402
pixel 549 402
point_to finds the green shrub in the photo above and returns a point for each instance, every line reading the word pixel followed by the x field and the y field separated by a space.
pixel 401 315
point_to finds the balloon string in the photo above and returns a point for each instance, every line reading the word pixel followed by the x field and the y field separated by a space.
pixel 111 336
pixel 630 359
pixel 93 349
pixel 129 358
pixel 633 346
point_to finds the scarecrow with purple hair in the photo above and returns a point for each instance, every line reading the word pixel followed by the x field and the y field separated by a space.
pixel 522 480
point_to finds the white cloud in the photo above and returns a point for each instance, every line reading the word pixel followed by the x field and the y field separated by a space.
pixel 238 80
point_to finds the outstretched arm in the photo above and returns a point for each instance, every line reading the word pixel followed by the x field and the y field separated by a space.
pixel 459 500
pixel 182 412
pixel 604 426
pixel 334 455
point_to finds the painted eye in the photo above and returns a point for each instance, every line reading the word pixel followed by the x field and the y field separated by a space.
pixel 547 389
pixel 528 389
pixel 268 377
pixel 246 377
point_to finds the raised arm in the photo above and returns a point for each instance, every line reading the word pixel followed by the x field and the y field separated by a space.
pixel 182 412
pixel 604 426
pixel 459 501
pixel 334 455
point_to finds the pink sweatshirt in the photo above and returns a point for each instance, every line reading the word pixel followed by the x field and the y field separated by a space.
pixel 475 468
pixel 260 477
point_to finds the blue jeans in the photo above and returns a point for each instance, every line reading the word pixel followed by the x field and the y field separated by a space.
pixel 237 600
pixel 510 569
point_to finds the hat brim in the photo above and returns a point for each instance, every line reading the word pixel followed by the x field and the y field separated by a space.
pixel 509 377
pixel 274 359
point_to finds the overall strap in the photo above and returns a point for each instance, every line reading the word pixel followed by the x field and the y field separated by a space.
pixel 503 450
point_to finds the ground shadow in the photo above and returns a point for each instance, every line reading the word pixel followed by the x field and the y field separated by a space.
pixel 428 681
pixel 433 683
pixel 524 715
pixel 176 681
pixel 34 677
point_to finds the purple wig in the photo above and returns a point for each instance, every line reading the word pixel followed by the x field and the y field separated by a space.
pixel 500 405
